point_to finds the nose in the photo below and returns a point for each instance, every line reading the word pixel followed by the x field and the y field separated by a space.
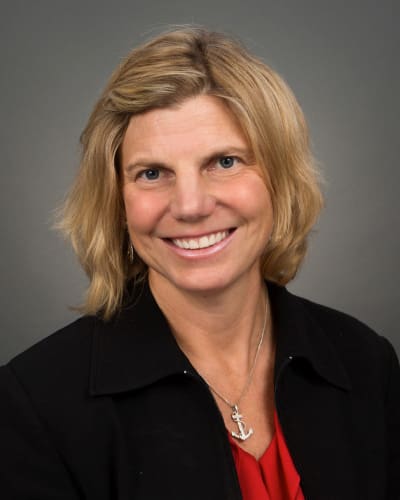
pixel 192 198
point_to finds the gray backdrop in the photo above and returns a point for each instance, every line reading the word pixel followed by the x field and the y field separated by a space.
pixel 340 58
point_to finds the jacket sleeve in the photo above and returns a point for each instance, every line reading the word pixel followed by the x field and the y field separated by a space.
pixel 393 422
pixel 30 468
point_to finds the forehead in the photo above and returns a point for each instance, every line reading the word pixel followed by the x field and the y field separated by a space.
pixel 198 122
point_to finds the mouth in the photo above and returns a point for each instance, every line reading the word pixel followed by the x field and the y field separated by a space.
pixel 205 241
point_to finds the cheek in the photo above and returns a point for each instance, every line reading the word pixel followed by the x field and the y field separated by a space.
pixel 254 199
pixel 143 211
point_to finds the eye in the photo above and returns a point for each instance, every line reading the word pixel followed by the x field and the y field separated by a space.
pixel 227 161
pixel 150 174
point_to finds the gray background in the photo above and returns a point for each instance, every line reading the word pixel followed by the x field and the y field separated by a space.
pixel 340 58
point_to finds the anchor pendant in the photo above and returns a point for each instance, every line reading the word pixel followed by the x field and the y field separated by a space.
pixel 238 419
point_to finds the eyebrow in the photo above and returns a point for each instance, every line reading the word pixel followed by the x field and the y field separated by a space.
pixel 144 162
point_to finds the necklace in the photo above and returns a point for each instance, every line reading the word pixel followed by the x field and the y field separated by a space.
pixel 242 433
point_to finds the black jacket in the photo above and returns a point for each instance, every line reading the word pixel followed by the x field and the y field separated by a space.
pixel 115 411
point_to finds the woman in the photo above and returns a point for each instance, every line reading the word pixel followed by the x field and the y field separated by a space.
pixel 194 373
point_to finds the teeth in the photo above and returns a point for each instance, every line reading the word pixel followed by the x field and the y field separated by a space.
pixel 203 242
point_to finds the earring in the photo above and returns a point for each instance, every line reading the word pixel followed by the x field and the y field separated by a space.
pixel 131 252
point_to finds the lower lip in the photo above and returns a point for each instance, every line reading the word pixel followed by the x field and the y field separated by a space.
pixel 201 252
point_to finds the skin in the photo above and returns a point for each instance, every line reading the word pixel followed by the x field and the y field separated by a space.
pixel 189 173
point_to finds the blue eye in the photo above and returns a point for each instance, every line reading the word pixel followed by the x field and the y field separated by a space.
pixel 227 161
pixel 151 174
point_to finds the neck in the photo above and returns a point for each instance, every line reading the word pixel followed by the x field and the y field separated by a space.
pixel 221 328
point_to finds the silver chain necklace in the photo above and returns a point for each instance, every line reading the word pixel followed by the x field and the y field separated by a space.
pixel 242 433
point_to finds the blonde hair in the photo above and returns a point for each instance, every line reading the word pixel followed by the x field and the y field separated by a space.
pixel 170 68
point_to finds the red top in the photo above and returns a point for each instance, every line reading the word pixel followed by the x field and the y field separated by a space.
pixel 273 477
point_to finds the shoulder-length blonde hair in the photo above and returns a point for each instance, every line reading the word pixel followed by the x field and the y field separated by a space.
pixel 174 66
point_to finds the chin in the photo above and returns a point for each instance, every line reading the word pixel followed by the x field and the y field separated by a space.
pixel 201 283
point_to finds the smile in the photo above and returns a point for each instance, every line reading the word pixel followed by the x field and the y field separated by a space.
pixel 203 242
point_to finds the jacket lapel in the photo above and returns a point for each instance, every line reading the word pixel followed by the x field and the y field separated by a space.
pixel 134 349
pixel 312 389
pixel 312 392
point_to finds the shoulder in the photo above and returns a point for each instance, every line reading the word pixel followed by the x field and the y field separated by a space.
pixel 364 353
pixel 62 359
pixel 311 318
pixel 344 330
pixel 47 386
pixel 54 348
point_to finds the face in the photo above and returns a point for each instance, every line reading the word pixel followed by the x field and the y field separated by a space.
pixel 198 211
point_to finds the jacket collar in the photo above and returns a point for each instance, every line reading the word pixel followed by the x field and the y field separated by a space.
pixel 136 348
pixel 301 336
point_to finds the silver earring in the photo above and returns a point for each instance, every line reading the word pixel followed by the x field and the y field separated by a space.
pixel 131 252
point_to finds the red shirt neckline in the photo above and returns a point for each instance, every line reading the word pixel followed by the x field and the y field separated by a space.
pixel 273 476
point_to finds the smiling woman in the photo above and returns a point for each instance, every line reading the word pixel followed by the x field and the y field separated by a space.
pixel 200 219
pixel 194 373
pixel 162 75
